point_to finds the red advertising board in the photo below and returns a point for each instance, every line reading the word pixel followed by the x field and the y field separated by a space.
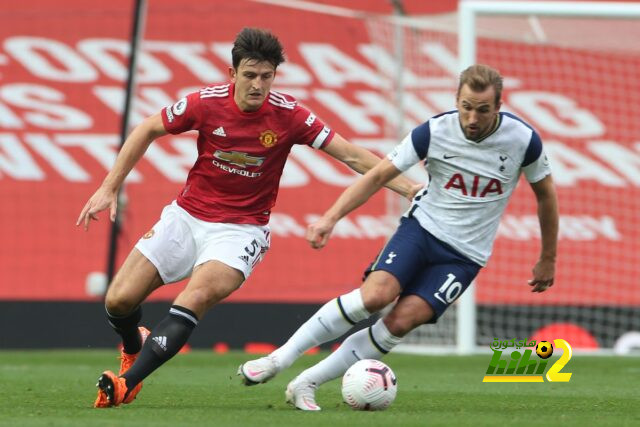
pixel 62 78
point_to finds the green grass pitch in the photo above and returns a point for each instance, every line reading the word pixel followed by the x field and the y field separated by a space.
pixel 56 388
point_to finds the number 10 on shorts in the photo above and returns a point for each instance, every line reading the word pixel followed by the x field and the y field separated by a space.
pixel 449 290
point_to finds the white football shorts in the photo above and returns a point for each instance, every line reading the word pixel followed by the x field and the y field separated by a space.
pixel 179 242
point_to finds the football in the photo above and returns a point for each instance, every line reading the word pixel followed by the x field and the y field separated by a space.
pixel 544 349
pixel 369 385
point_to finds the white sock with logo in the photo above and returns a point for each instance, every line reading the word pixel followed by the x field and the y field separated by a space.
pixel 332 320
pixel 369 343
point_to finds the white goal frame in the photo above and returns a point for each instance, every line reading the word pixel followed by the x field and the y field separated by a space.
pixel 468 11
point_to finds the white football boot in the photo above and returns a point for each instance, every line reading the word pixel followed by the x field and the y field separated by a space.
pixel 302 394
pixel 258 371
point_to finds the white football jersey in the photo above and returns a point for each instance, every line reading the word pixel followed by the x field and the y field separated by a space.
pixel 470 182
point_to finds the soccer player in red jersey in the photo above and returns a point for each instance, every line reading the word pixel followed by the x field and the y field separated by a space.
pixel 216 231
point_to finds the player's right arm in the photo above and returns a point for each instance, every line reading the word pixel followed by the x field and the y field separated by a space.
pixel 411 150
pixel 106 196
pixel 361 160
pixel 354 196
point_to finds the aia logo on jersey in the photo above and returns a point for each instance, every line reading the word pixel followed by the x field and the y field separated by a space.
pixel 476 188
pixel 268 138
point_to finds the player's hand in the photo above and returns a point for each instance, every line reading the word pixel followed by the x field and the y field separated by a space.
pixel 318 233
pixel 102 199
pixel 415 188
pixel 543 273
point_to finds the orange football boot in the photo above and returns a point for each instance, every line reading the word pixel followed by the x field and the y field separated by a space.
pixel 126 359
pixel 109 385
pixel 111 390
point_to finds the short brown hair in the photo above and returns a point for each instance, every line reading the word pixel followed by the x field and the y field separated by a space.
pixel 257 44
pixel 479 77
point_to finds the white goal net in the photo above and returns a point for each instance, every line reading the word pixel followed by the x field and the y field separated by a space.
pixel 571 71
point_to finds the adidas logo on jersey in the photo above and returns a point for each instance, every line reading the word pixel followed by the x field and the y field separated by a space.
pixel 244 258
pixel 219 131
pixel 161 341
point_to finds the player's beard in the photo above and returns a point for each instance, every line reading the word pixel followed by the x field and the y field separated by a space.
pixel 253 101
pixel 479 134
pixel 471 134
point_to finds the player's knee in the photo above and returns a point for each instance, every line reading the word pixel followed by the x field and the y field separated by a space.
pixel 118 303
pixel 398 325
pixel 201 299
pixel 374 303
pixel 205 298
pixel 377 294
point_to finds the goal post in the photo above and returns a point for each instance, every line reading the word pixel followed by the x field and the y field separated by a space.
pixel 467 39
pixel 558 53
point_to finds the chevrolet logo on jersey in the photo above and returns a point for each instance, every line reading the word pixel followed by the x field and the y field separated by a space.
pixel 238 158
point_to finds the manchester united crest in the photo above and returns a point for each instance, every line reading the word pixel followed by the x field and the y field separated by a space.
pixel 268 138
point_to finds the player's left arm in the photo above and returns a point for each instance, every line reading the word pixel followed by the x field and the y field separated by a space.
pixel 544 270
pixel 362 160
pixel 354 196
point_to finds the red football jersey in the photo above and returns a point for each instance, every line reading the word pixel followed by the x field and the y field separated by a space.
pixel 241 155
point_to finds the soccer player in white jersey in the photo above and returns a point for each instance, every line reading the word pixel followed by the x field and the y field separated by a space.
pixel 216 232
pixel 474 156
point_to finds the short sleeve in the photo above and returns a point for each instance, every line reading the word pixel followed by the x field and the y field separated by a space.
pixel 535 164
pixel 184 115
pixel 413 148
pixel 310 129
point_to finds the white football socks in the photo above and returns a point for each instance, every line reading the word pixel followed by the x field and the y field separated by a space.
pixel 332 320
pixel 369 343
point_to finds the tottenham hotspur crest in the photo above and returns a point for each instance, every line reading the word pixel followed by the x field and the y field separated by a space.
pixel 502 160
pixel 391 255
